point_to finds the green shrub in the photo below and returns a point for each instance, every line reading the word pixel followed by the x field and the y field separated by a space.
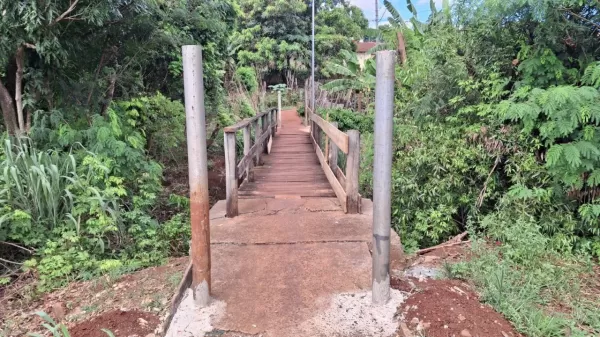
pixel 247 77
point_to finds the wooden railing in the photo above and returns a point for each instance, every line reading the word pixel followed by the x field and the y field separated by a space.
pixel 345 185
pixel 264 126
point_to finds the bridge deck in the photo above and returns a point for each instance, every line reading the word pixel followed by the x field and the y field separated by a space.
pixel 292 168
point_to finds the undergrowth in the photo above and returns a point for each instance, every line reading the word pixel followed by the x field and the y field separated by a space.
pixel 517 269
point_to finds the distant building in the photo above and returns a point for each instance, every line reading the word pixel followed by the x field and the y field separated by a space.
pixel 362 49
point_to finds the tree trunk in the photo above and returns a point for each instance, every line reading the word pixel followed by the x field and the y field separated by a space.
pixel 20 56
pixel 360 99
pixel 401 48
pixel 8 110
pixel 109 95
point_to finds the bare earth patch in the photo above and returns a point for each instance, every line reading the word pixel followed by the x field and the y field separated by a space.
pixel 101 303
pixel 442 308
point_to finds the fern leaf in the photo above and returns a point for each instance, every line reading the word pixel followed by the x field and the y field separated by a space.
pixel 553 155
pixel 594 179
pixel 572 155
pixel 587 149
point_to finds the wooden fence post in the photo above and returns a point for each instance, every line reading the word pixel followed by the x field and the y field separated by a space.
pixel 257 134
pixel 231 176
pixel 306 102
pixel 279 109
pixel 198 172
pixel 333 154
pixel 352 169
pixel 247 145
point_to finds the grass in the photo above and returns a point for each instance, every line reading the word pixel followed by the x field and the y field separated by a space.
pixel 543 292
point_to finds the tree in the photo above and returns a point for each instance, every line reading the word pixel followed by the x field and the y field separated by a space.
pixel 355 78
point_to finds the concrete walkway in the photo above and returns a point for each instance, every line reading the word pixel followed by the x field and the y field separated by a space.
pixel 292 264
pixel 290 267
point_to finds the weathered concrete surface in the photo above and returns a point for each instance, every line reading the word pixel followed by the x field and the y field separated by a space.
pixel 292 267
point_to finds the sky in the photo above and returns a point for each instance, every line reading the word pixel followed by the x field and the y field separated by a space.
pixel 368 6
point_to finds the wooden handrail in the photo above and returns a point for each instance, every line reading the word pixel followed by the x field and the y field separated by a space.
pixel 235 171
pixel 345 186
pixel 243 123
pixel 338 137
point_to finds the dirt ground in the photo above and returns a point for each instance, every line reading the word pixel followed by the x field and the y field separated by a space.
pixel 446 308
pixel 132 304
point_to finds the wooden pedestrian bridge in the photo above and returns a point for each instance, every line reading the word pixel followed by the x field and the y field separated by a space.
pixel 290 247
pixel 282 158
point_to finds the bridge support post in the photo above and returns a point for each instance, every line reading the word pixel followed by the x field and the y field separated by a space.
pixel 231 193
pixel 257 134
pixel 198 172
pixel 382 175
pixel 279 109
pixel 247 146
pixel 333 153
pixel 352 168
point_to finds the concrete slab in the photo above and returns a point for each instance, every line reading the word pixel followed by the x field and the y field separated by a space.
pixel 291 228
pixel 270 289
pixel 291 268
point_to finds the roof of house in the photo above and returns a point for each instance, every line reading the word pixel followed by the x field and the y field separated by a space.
pixel 363 47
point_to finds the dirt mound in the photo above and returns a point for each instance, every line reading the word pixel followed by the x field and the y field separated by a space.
pixel 442 308
pixel 121 323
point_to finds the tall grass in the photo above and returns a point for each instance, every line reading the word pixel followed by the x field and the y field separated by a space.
pixel 37 181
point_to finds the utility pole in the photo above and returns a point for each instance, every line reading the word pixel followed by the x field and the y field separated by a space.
pixel 382 174
pixel 195 120
pixel 377 14
pixel 312 86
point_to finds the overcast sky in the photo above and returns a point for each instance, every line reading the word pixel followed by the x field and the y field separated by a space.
pixel 368 6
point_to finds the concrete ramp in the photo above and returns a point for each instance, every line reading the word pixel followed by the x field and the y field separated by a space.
pixel 290 268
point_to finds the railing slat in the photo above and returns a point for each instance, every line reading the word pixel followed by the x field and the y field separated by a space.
pixel 337 136
pixel 247 145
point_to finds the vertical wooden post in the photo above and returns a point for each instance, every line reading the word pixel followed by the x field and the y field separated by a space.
pixel 333 154
pixel 279 109
pixel 382 175
pixel 257 135
pixel 265 128
pixel 352 168
pixel 306 102
pixel 198 172
pixel 231 176
pixel 247 145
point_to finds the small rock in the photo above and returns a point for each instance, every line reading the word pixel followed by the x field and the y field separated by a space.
pixel 465 333
pixel 150 335
pixel 445 326
pixel 414 321
pixel 461 317
pixel 142 322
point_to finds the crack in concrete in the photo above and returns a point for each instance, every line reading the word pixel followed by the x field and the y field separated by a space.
pixel 238 333
pixel 230 243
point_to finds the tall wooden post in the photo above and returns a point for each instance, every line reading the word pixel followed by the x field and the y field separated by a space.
pixel 333 154
pixel 306 102
pixel 247 145
pixel 257 135
pixel 382 175
pixel 352 169
pixel 279 109
pixel 231 193
pixel 198 172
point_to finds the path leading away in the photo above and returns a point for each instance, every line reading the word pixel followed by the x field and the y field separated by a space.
pixel 292 168
pixel 292 264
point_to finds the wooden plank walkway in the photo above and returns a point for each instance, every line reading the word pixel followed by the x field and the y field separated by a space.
pixel 292 168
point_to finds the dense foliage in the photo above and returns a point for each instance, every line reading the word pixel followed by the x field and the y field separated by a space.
pixel 91 98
